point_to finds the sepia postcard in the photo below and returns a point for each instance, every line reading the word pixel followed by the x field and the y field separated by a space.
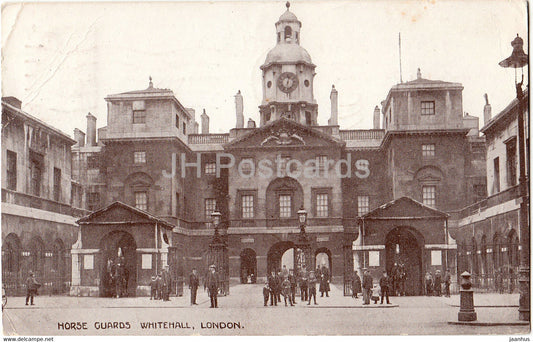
pixel 265 168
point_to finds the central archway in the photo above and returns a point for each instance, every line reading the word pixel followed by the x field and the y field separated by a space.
pixel 404 246
pixel 248 266
pixel 275 254
pixel 118 247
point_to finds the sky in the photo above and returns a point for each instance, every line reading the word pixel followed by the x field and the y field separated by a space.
pixel 62 59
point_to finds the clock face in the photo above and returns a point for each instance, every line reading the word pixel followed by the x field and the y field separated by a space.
pixel 287 82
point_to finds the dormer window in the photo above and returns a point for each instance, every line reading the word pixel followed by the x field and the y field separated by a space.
pixel 288 32
pixel 427 108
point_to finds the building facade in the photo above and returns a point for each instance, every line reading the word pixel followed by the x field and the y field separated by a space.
pixel 40 202
pixel 373 197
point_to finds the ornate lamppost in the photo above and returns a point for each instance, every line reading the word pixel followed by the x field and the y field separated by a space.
pixel 218 255
pixel 303 247
pixel 519 59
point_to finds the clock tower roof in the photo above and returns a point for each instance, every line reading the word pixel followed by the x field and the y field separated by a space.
pixel 287 53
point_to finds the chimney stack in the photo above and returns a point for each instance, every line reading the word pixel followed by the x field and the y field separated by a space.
pixel 79 136
pixel 91 130
pixel 333 96
pixel 376 117
pixel 251 123
pixel 418 74
pixel 239 108
pixel 205 123
pixel 487 110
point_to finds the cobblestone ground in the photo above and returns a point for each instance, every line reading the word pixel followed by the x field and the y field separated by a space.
pixel 243 313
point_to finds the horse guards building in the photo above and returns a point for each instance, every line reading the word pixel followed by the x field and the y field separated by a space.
pixel 422 188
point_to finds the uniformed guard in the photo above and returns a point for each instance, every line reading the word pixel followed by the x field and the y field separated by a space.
pixel 212 285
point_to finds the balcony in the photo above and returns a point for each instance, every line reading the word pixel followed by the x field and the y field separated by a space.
pixel 362 134
pixel 30 201
pixel 208 138
pixel 491 201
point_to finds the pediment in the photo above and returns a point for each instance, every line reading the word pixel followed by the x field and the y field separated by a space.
pixel 119 212
pixel 406 208
pixel 284 133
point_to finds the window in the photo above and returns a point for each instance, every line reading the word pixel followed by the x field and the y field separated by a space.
pixel 92 162
pixel 283 165
pixel 141 200
pixel 428 150
pixel 177 121
pixel 308 120
pixel 428 195
pixel 427 108
pixel 247 206
pixel 139 116
pixel 139 157
pixel 245 166
pixel 210 168
pixel 496 188
pixel 178 213
pixel 288 32
pixel 285 206
pixel 436 258
pixel 210 207
pixel 57 184
pixel 362 205
pixel 322 162
pixel 35 174
pixel 11 162
pixel 322 205
pixel 184 128
pixel 93 200
pixel 511 162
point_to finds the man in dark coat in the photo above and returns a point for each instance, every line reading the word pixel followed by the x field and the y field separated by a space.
pixel 367 287
pixel 303 283
pixel 165 284
pixel 385 285
pixel 272 285
pixel 324 281
pixel 447 282
pixel 194 282
pixel 211 283
pixel 31 287
pixel 311 287
pixel 356 285
pixel 437 283
pixel 292 281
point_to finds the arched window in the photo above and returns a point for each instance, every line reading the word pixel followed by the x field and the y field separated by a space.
pixel 288 32
pixel 37 256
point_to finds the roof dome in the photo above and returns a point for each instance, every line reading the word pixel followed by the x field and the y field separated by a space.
pixel 288 53
pixel 288 16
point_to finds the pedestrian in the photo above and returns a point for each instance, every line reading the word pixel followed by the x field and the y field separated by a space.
pixel 367 287
pixel 447 283
pixel 266 293
pixel 401 279
pixel 284 272
pixel 279 281
pixel 153 287
pixel 272 279
pixel 194 282
pixel 303 284
pixel 437 284
pixel 165 284
pixel 324 282
pixel 158 287
pixel 376 291
pixel 292 281
pixel 286 290
pixel 311 287
pixel 386 285
pixel 211 283
pixel 356 285
pixel 31 288
pixel 429 284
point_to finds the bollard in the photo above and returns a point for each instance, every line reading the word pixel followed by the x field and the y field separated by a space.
pixel 466 310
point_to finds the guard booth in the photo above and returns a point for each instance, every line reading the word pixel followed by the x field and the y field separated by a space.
pixel 175 265
pixel 119 249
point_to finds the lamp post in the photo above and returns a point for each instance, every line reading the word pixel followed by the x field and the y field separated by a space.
pixel 303 247
pixel 218 255
pixel 519 59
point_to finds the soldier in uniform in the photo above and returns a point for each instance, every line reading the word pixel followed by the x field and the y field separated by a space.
pixel 367 287
pixel 447 282
pixel 356 285
pixel 437 285
pixel 194 282
pixel 165 284
pixel 292 281
pixel 272 279
pixel 401 279
pixel 303 284
pixel 31 287
pixel 211 283
pixel 385 284
pixel 324 282
pixel 311 287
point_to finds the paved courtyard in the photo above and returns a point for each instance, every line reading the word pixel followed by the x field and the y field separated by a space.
pixel 243 313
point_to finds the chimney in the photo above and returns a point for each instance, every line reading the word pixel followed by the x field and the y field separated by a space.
pixel 13 101
pixel 376 117
pixel 239 107
pixel 79 136
pixel 418 74
pixel 333 96
pixel 91 130
pixel 205 123
pixel 487 110
pixel 251 123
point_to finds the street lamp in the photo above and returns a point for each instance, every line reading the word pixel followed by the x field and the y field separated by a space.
pixel 303 247
pixel 215 216
pixel 302 217
pixel 218 255
pixel 519 59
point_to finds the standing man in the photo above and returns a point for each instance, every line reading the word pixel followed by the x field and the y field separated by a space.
pixel 356 284
pixel 165 284
pixel 272 286
pixel 311 287
pixel 447 282
pixel 211 283
pixel 303 284
pixel 31 287
pixel 367 287
pixel 394 275
pixel 284 272
pixel 437 284
pixel 385 284
pixel 194 282
pixel 292 281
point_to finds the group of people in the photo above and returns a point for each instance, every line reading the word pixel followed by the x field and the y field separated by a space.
pixel 370 290
pixel 160 286
pixel 434 284
pixel 211 284
pixel 500 276
pixel 285 282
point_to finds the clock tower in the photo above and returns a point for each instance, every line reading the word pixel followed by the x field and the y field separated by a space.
pixel 288 74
